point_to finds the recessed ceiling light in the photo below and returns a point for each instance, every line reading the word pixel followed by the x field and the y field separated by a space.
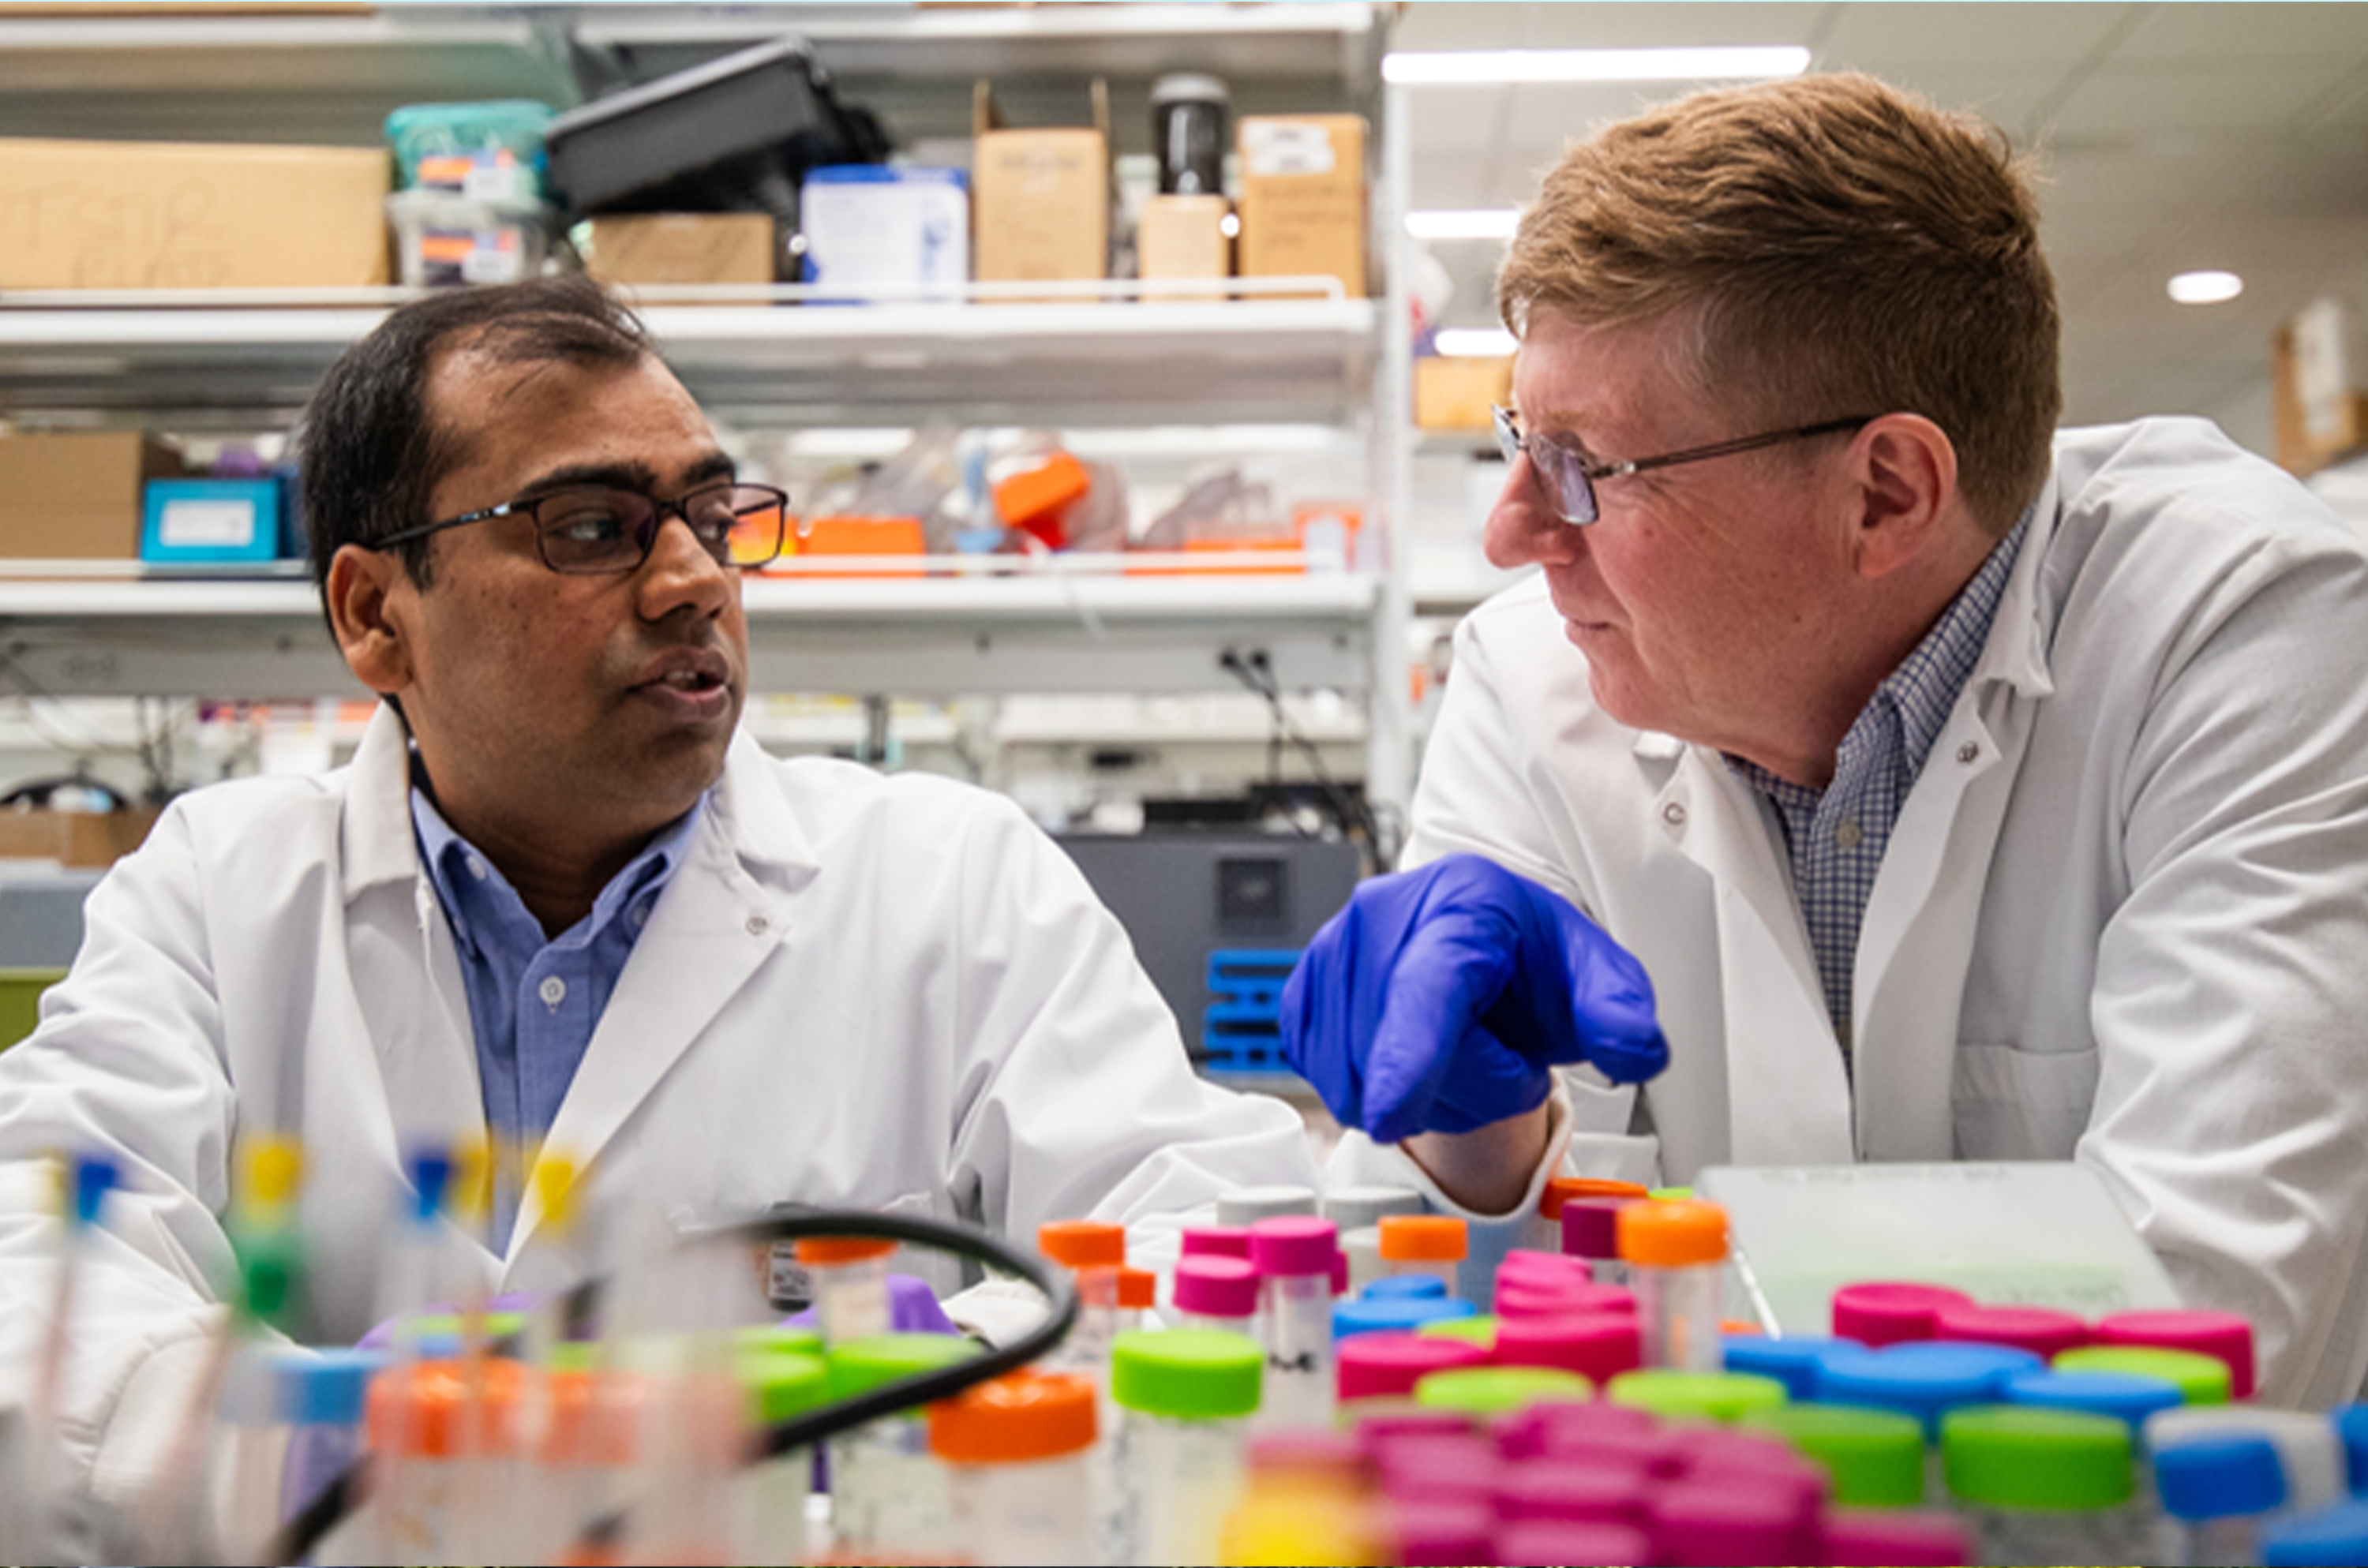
pixel 1464 224
pixel 1473 342
pixel 2206 287
pixel 1490 67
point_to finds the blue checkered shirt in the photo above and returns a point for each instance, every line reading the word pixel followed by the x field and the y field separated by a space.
pixel 1835 835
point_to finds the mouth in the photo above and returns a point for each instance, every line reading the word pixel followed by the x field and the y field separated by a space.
pixel 695 675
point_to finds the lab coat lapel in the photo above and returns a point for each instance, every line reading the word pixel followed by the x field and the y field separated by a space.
pixel 1917 941
pixel 396 938
pixel 1787 1095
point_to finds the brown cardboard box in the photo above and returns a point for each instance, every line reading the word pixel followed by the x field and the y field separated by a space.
pixel 1455 394
pixel 72 838
pixel 684 247
pixel 1303 198
pixel 75 495
pixel 2319 413
pixel 1183 237
pixel 190 215
pixel 1040 199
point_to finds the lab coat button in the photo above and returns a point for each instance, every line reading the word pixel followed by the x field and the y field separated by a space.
pixel 1969 751
pixel 1674 814
pixel 758 926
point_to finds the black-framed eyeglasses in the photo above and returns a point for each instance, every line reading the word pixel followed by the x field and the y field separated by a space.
pixel 595 529
pixel 1567 476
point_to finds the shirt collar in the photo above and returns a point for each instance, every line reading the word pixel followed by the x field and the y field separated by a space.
pixel 470 895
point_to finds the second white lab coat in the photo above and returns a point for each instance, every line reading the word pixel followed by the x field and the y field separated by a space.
pixel 2122 917
pixel 890 994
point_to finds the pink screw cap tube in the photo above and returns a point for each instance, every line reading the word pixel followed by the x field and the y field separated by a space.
pixel 2040 1330
pixel 1213 1291
pixel 1879 1312
pixel 1598 1346
pixel 1387 1364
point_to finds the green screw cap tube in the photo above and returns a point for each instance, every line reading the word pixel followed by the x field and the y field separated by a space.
pixel 1700 1396
pixel 858 1366
pixel 1499 1390
pixel 1877 1456
pixel 2005 1456
pixel 782 1385
pixel 2200 1380
pixel 1193 1374
pixel 1480 1330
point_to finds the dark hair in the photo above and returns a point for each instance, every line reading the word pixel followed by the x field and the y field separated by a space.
pixel 371 454
pixel 1834 247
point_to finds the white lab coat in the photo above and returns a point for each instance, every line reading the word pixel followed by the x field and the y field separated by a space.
pixel 886 992
pixel 2122 918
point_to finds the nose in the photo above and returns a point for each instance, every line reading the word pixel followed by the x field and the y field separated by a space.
pixel 1523 529
pixel 680 573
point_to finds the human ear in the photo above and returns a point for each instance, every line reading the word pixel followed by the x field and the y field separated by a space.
pixel 1904 475
pixel 361 584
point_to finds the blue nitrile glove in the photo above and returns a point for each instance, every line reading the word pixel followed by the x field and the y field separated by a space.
pixel 1438 1000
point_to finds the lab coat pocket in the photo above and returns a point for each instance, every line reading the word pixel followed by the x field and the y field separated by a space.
pixel 2012 1104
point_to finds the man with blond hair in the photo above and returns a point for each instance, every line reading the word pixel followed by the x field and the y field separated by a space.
pixel 1940 784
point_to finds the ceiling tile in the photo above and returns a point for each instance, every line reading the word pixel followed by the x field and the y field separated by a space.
pixel 2241 97
pixel 2042 39
pixel 2263 30
pixel 1588 24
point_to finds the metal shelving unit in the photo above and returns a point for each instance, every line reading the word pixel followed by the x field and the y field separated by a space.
pixel 220 362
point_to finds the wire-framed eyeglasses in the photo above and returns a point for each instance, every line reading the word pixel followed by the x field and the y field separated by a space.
pixel 595 529
pixel 1565 476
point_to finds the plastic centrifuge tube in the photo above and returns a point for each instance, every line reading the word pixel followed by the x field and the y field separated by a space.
pixel 887 1494
pixel 1433 1245
pixel 1015 1450
pixel 1217 1292
pixel 2218 1490
pixel 770 1495
pixel 1676 1253
pixel 1184 1396
pixel 849 1279
pixel 1294 1257
pixel 2045 1485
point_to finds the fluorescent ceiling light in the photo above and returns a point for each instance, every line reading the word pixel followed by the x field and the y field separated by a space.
pixel 1465 223
pixel 2206 287
pixel 1489 67
pixel 1473 342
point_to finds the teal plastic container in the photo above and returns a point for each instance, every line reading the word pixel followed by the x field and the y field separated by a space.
pixel 490 152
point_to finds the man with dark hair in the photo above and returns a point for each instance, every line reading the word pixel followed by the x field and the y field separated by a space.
pixel 561 898
pixel 1959 787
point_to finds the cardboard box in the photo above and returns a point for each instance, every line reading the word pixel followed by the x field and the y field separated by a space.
pixel 1041 199
pixel 72 838
pixel 1455 394
pixel 1183 237
pixel 77 496
pixel 1303 198
pixel 655 248
pixel 190 215
pixel 2317 361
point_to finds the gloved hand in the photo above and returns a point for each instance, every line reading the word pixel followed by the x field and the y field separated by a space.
pixel 1438 1000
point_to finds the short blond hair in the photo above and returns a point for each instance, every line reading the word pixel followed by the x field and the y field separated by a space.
pixel 1839 247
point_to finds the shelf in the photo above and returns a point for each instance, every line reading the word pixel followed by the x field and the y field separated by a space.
pixel 186 364
pixel 265 639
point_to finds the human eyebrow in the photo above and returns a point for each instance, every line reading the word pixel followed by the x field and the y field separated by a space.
pixel 613 477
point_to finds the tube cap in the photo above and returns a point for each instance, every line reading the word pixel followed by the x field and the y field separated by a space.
pixel 1794 1360
pixel 1423 1238
pixel 1732 1519
pixel 1013 1419
pixel 1374 1314
pixel 1560 1190
pixel 1851 1537
pixel 1216 1240
pixel 1433 1533
pixel 1388 1363
pixel 1549 1489
pixel 2202 1380
pixel 782 1384
pixel 1597 1346
pixel 1081 1243
pixel 1924 1378
pixel 2126 1396
pixel 1245 1205
pixel 2335 1535
pixel 420 1409
pixel 328 1388
pixel 1590 1226
pixel 1498 1390
pixel 830 1252
pixel 1216 1287
pixel 2220 1475
pixel 1129 1290
pixel 2039 1330
pixel 1566 1540
pixel 1294 1244
pixel 2221 1334
pixel 1191 1373
pixel 1549 1270
pixel 2011 1455
pixel 1674 1234
pixel 1525 1298
pixel 1713 1396
pixel 1480 1331
pixel 1877 1456
pixel 1422 1287
pixel 1880 1312
pixel 858 1366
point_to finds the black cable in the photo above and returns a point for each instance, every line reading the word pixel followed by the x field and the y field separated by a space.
pixel 351 1489
pixel 1354 813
